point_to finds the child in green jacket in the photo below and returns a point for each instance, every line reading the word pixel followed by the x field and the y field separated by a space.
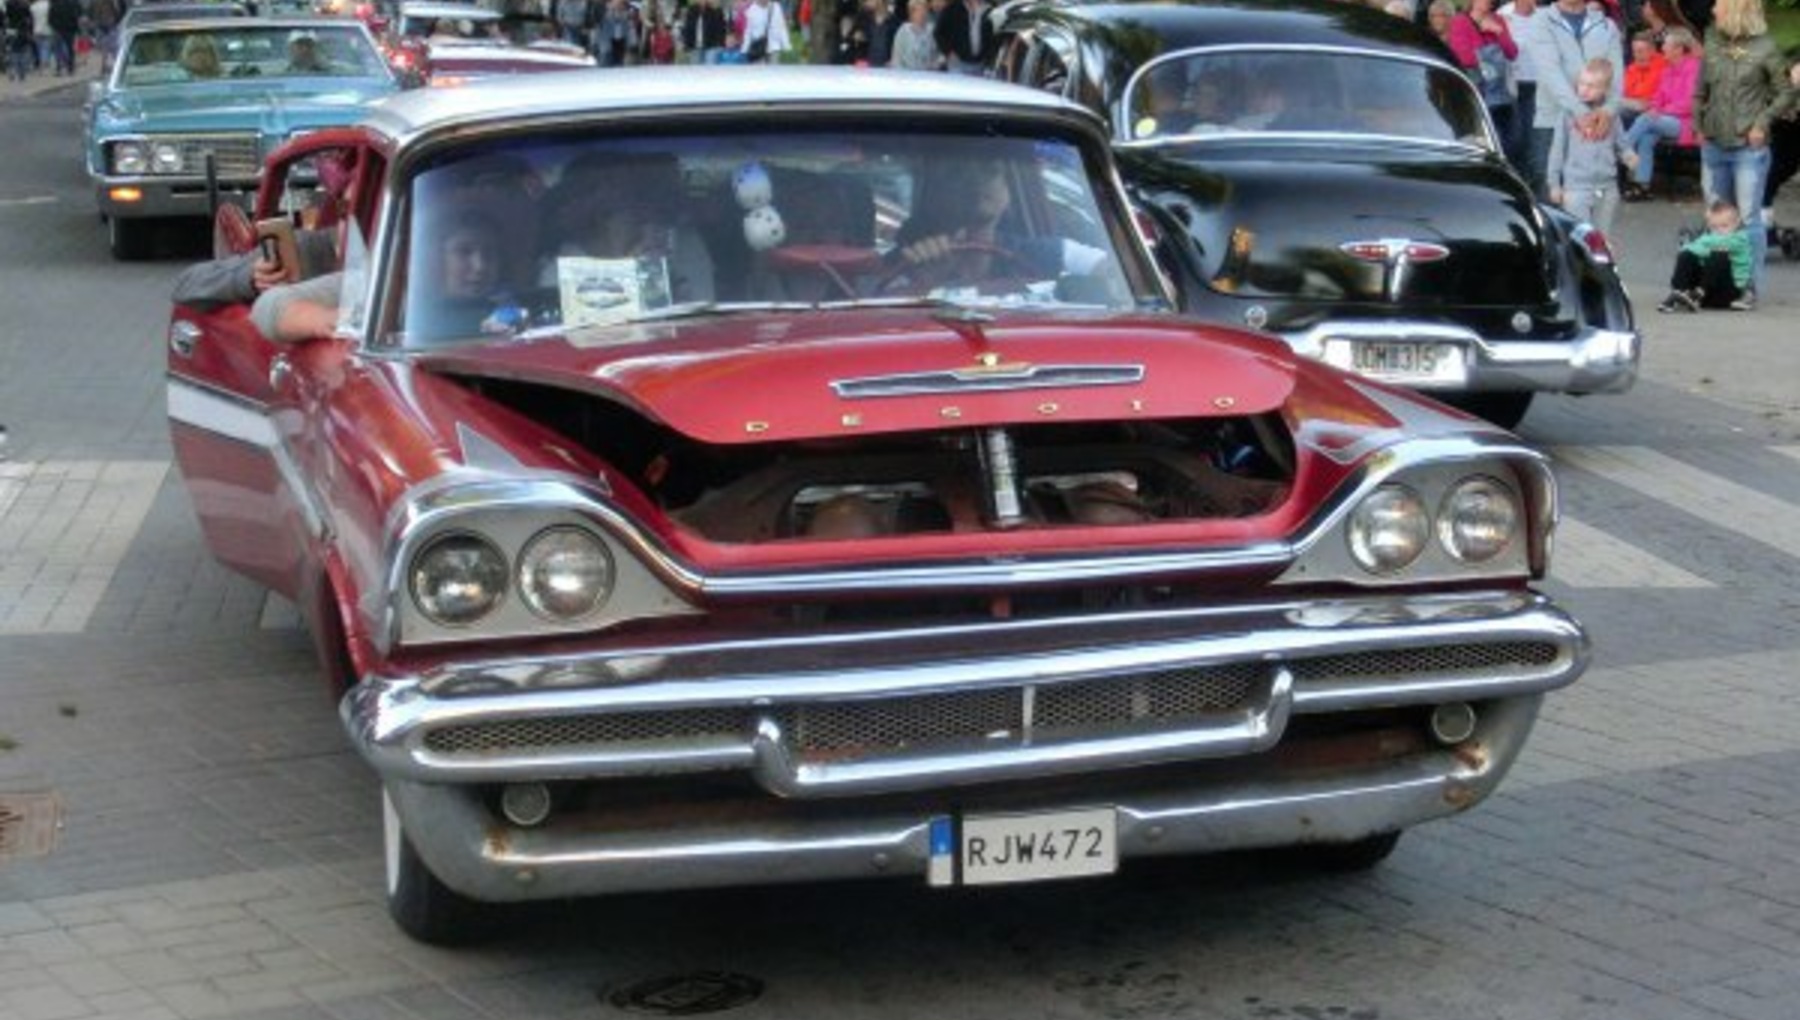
pixel 1713 270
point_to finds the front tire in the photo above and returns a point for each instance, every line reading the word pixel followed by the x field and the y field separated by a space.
pixel 420 904
pixel 1358 855
pixel 128 238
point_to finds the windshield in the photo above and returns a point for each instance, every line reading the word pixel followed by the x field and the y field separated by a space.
pixel 156 58
pixel 1240 91
pixel 561 233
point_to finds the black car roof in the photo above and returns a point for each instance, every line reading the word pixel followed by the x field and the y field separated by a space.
pixel 1181 25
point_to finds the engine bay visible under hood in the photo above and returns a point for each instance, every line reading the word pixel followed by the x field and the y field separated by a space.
pixel 939 481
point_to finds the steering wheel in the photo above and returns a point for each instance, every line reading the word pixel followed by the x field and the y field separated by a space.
pixel 1014 264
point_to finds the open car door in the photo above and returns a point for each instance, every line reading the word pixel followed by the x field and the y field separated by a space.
pixel 238 401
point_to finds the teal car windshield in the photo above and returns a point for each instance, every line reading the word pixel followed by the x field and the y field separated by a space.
pixel 563 232
pixel 226 53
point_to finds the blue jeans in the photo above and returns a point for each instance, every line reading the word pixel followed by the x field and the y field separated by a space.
pixel 1737 175
pixel 1646 131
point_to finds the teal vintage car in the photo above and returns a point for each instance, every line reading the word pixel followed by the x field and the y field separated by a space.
pixel 193 106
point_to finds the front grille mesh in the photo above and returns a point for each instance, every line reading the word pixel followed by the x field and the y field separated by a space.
pixel 1101 707
pixel 587 730
pixel 233 155
pixel 1168 696
pixel 1442 660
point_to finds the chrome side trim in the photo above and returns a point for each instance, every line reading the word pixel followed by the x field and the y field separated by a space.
pixel 989 380
pixel 229 416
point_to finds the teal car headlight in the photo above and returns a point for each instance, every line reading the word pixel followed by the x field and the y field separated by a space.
pixel 129 158
pixel 165 158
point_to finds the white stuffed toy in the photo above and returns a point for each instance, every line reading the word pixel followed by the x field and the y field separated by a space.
pixel 751 184
pixel 763 228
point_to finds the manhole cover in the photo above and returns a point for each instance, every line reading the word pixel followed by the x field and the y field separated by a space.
pixel 29 823
pixel 707 991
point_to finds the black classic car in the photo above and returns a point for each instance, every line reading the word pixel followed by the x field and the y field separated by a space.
pixel 1325 172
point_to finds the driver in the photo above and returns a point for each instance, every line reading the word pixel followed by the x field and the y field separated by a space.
pixel 957 229
pixel 303 54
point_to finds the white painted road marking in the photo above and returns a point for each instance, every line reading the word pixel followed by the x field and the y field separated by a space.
pixel 1720 502
pixel 1587 557
pixel 64 528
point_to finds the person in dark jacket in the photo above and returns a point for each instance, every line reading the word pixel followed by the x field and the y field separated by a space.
pixel 703 31
pixel 18 39
pixel 965 37
pixel 65 25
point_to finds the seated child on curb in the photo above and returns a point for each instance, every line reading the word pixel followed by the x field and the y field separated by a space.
pixel 1586 150
pixel 1713 270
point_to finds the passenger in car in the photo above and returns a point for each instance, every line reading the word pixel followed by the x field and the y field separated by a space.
pixel 200 58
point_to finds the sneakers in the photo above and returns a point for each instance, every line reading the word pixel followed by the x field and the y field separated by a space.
pixel 1635 192
pixel 1745 302
pixel 1680 301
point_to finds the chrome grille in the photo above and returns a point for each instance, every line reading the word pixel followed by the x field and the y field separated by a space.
pixel 234 155
pixel 1168 696
pixel 612 729
pixel 1443 660
pixel 894 723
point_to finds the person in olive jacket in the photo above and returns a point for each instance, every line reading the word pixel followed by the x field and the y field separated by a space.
pixel 1743 88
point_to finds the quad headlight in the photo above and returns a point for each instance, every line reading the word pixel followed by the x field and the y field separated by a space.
pixel 130 157
pixel 458 579
pixel 165 158
pixel 1389 529
pixel 565 574
pixel 1478 519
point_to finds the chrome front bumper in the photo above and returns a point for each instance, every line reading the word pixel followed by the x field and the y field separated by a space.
pixel 1595 360
pixel 1211 783
pixel 165 196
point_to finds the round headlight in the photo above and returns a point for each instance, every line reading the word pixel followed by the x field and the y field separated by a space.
pixel 458 579
pixel 165 158
pixel 1478 520
pixel 129 158
pixel 565 574
pixel 1389 529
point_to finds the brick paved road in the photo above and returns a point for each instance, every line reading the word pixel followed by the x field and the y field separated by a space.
pixel 221 851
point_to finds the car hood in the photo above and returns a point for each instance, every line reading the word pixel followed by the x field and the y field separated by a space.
pixel 751 378
pixel 1312 224
pixel 271 107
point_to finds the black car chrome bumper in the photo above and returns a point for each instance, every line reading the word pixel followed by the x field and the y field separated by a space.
pixel 1595 360
pixel 845 748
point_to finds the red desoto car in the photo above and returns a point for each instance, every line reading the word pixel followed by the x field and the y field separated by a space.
pixel 787 474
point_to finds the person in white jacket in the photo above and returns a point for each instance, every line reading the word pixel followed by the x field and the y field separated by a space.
pixel 1566 35
pixel 765 32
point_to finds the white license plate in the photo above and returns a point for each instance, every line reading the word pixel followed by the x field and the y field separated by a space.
pixel 995 849
pixel 1401 360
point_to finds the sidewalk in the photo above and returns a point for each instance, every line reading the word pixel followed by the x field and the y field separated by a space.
pixel 87 68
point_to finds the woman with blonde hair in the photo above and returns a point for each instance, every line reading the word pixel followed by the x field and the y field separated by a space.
pixel 199 57
pixel 1743 88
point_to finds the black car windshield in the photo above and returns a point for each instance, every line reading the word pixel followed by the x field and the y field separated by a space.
pixel 561 232
pixel 1304 91
pixel 253 51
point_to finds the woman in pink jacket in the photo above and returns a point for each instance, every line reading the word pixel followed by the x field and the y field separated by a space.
pixel 1484 47
pixel 1671 110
